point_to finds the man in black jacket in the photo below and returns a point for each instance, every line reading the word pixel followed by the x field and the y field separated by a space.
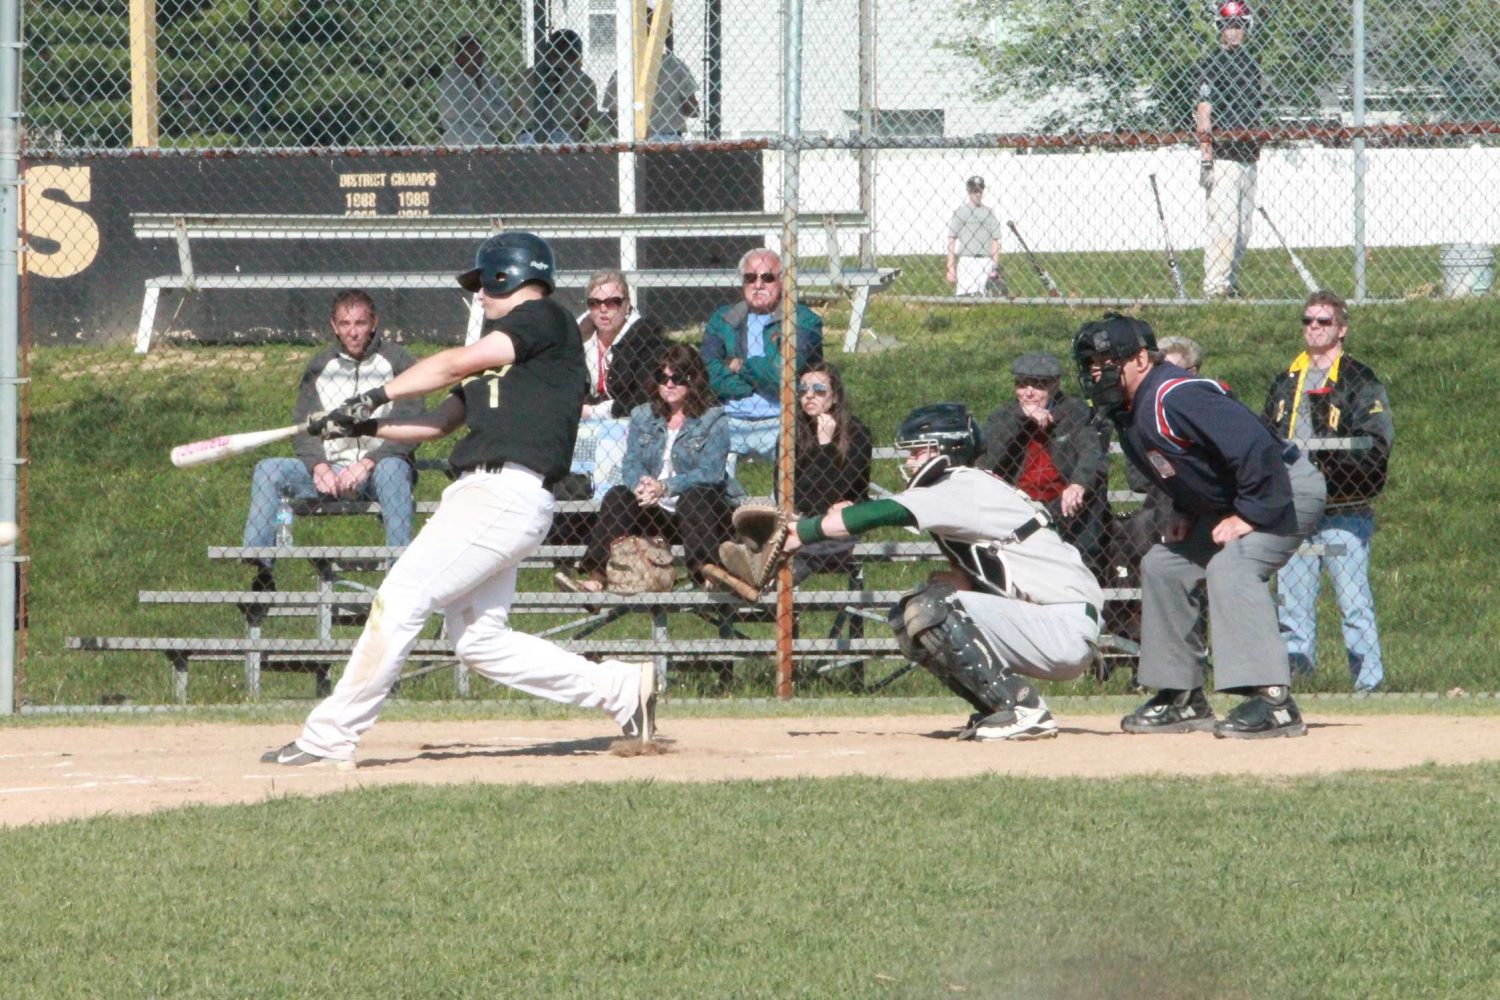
pixel 1043 444
pixel 1243 500
pixel 1336 408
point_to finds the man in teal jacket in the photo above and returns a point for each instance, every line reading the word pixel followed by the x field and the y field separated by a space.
pixel 742 350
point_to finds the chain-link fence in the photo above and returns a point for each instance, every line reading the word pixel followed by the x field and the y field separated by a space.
pixel 214 175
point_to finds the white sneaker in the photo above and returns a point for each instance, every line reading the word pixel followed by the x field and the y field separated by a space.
pixel 292 755
pixel 1021 723
pixel 642 724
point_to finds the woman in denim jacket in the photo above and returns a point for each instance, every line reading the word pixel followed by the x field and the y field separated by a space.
pixel 674 482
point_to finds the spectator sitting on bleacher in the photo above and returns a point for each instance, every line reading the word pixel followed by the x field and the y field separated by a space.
pixel 342 468
pixel 1044 444
pixel 621 348
pixel 832 467
pixel 675 459
pixel 742 350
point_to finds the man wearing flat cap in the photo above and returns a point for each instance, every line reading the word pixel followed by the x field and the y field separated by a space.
pixel 1043 444
pixel 974 246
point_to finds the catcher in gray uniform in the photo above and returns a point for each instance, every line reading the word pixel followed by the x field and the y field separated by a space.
pixel 1018 601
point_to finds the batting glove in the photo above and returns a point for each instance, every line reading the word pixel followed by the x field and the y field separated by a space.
pixel 1206 175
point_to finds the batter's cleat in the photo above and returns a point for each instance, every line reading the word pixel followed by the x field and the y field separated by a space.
pixel 1024 722
pixel 1265 715
pixel 1171 711
pixel 292 755
pixel 642 724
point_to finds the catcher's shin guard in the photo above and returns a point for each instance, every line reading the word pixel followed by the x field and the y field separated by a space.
pixel 933 629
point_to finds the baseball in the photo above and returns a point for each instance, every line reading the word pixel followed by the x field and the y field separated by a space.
pixel 8 532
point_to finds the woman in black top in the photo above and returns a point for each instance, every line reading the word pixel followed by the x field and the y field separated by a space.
pixel 833 464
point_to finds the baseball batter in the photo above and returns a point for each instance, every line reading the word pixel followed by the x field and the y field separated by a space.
pixel 1018 600
pixel 520 391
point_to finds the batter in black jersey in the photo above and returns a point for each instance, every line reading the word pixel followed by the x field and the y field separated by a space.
pixel 520 391
pixel 527 412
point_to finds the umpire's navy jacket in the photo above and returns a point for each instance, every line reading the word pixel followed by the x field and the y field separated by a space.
pixel 1207 450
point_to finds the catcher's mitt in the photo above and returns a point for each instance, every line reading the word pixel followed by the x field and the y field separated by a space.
pixel 749 561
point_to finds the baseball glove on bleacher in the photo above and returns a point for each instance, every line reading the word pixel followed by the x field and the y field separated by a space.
pixel 748 562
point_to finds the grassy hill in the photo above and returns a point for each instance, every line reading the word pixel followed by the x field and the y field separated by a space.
pixel 109 516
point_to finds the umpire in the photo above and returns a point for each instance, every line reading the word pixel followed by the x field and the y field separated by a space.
pixel 1243 500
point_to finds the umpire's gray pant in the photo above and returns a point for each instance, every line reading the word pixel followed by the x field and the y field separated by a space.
pixel 1247 647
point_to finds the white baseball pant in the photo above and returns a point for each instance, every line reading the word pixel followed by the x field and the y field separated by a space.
pixel 464 561
pixel 971 274
pixel 1231 210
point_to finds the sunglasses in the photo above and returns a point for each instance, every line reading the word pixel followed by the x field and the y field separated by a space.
pixel 764 278
pixel 669 378
pixel 1034 383
pixel 613 301
pixel 816 388
pixel 1318 321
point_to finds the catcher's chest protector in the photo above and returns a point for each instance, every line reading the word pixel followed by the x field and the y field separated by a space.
pixel 981 562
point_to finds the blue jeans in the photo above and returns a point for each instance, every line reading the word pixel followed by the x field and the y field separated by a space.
pixel 1346 538
pixel 755 439
pixel 390 484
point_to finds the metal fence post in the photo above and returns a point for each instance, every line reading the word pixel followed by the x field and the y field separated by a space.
pixel 790 161
pixel 1361 289
pixel 10 314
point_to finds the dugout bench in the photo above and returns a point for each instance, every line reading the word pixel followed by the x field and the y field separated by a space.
pixel 184 228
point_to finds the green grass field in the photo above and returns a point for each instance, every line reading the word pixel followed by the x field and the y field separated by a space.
pixel 109 517
pixel 1354 885
pixel 1361 885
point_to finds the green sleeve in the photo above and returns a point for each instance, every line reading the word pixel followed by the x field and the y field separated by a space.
pixel 860 518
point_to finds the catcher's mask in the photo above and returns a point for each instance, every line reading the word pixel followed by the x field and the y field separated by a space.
pixel 946 427
pixel 1105 343
pixel 506 261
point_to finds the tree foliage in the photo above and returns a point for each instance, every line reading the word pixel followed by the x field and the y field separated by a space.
pixel 1130 64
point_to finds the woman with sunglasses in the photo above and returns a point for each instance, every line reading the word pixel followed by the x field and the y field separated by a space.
pixel 674 473
pixel 833 464
pixel 620 347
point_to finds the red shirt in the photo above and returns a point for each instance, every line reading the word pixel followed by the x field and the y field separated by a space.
pixel 1039 478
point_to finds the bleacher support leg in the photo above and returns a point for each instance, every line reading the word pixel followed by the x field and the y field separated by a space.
pixel 179 661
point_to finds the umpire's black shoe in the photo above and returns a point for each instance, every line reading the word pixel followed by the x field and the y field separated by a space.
pixel 1171 711
pixel 1265 715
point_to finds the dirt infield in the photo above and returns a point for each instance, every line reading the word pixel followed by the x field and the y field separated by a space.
pixel 56 773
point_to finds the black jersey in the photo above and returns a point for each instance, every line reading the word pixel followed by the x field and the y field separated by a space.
pixel 527 412
pixel 1230 81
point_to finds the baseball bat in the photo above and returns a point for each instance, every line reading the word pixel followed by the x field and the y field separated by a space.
pixel 1302 271
pixel 1167 237
pixel 217 449
pixel 1036 265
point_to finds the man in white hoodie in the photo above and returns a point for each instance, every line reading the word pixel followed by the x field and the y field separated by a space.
pixel 363 468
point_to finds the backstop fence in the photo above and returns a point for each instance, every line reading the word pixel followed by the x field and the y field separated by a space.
pixel 216 173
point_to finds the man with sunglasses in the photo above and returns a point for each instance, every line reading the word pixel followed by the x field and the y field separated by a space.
pixel 742 350
pixel 1337 408
pixel 1243 500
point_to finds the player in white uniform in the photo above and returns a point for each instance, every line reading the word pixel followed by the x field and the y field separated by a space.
pixel 1019 600
pixel 520 390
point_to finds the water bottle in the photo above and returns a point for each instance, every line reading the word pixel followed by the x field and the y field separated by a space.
pixel 284 523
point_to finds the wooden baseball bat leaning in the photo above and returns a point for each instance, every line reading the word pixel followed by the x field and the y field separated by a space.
pixel 227 446
pixel 1167 237
pixel 1302 271
pixel 1036 265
